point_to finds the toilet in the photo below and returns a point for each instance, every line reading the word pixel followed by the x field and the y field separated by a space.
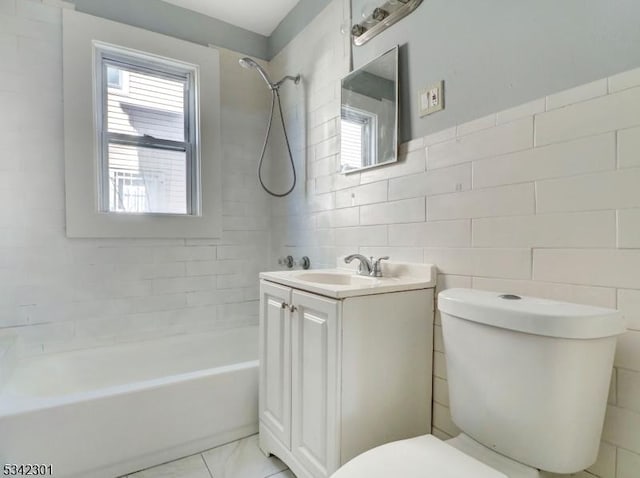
pixel 528 385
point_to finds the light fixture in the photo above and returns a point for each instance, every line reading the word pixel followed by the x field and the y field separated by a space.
pixel 382 18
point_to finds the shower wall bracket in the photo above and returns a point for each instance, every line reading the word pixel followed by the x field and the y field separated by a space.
pixel 382 18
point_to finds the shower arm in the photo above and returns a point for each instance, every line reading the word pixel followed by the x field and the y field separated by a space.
pixel 295 79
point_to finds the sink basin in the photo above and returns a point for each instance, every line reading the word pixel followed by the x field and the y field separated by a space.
pixel 341 283
pixel 336 278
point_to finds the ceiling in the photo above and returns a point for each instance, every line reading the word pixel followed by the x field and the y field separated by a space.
pixel 260 16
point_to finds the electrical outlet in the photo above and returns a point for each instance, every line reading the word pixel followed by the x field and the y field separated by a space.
pixel 432 99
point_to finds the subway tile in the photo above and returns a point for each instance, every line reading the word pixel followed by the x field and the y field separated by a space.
pixel 38 11
pixel 361 236
pixel 401 254
pixel 442 420
pixel 183 284
pixel 629 304
pixel 8 7
pixel 596 296
pixel 408 210
pixel 629 148
pixel 501 201
pixel 613 388
pixel 584 229
pixel 521 111
pixel 479 124
pixel 438 341
pixel 439 434
pixel 440 136
pixel 439 365
pixel 628 464
pixel 629 228
pixel 597 153
pixel 448 281
pixel 431 234
pixel 625 80
pixel 342 181
pixel 412 145
pixel 605 465
pixel 599 115
pixel 365 194
pixel 344 217
pixel 499 263
pixel 607 190
pixel 577 94
pixel 322 202
pixel 628 351
pixel 628 389
pixel 438 181
pixel 323 132
pixel 328 147
pixel 324 184
pixel 596 267
pixel 621 428
pixel 441 391
pixel 411 163
pixel 506 138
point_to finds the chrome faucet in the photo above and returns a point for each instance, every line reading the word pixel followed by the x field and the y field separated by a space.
pixel 367 267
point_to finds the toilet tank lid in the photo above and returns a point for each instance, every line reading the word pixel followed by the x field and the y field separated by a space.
pixel 531 314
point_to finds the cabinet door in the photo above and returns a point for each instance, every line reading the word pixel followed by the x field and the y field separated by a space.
pixel 275 360
pixel 315 378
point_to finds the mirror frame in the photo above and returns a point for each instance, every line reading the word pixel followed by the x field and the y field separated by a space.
pixel 396 129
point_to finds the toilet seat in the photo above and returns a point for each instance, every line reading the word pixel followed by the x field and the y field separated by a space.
pixel 421 457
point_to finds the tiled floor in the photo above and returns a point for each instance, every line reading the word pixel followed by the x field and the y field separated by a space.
pixel 240 459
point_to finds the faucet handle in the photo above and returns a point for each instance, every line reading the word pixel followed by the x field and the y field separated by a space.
pixel 377 266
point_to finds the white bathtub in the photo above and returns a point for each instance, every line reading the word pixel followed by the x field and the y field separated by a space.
pixel 114 410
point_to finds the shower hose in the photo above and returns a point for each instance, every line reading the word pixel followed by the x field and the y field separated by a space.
pixel 275 95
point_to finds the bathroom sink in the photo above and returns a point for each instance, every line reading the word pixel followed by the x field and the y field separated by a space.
pixel 335 278
pixel 344 281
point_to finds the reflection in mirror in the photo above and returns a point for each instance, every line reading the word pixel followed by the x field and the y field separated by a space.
pixel 369 115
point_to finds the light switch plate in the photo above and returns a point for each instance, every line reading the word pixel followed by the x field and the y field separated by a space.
pixel 431 99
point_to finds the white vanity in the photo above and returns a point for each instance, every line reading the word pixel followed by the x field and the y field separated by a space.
pixel 345 362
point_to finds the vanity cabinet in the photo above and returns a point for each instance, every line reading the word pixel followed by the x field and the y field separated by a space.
pixel 341 376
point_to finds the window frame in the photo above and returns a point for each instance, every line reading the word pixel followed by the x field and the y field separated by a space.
pixel 369 124
pixel 111 55
pixel 82 146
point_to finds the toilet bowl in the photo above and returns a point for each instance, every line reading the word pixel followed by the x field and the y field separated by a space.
pixel 528 383
pixel 427 456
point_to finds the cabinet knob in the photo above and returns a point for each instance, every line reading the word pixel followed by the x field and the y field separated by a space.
pixel 283 305
pixel 293 308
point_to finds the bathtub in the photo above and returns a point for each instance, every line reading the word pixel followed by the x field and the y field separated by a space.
pixel 113 410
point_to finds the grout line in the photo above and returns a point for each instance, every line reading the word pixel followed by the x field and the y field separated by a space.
pixel 206 465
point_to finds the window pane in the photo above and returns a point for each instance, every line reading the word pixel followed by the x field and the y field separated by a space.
pixel 147 180
pixel 114 77
pixel 352 147
pixel 149 105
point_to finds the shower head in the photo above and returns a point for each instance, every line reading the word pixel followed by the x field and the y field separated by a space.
pixel 248 63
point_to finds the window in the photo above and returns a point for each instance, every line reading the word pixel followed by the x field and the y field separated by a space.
pixel 149 129
pixel 358 131
pixel 114 78
pixel 143 147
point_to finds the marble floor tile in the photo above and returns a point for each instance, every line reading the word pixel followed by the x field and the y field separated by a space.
pixel 243 459
pixel 190 467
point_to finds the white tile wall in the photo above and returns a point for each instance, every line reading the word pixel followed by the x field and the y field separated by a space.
pixel 594 153
pixel 577 94
pixel 628 464
pixel 532 200
pixel 629 148
pixel 59 294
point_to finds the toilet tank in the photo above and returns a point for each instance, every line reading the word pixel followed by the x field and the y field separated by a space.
pixel 528 377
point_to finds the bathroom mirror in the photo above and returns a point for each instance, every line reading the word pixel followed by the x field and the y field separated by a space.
pixel 369 115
